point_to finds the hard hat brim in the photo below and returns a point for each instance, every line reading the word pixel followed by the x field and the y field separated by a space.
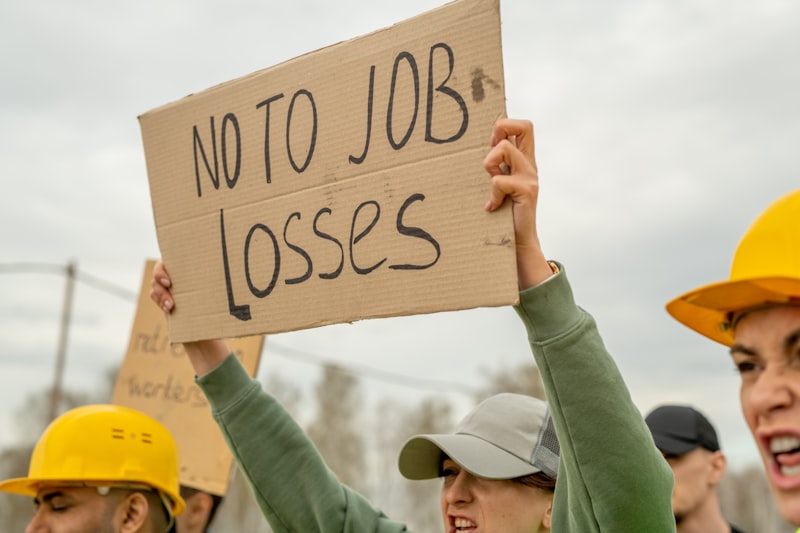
pixel 27 486
pixel 20 485
pixel 708 309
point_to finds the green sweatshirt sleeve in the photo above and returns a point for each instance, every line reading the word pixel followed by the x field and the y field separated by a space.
pixel 611 477
pixel 291 483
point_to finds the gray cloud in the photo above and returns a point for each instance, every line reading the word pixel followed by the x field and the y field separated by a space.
pixel 663 128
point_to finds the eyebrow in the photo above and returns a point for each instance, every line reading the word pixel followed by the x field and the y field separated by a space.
pixel 742 349
pixel 49 497
pixel 791 341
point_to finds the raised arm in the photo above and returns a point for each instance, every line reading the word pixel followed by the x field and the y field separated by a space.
pixel 291 483
pixel 611 477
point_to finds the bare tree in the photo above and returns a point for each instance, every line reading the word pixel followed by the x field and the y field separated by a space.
pixel 32 417
pixel 288 394
pixel 522 379
pixel 239 511
pixel 414 502
pixel 434 415
pixel 387 493
pixel 16 511
pixel 336 430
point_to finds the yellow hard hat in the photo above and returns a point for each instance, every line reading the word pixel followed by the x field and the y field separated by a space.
pixel 765 271
pixel 104 445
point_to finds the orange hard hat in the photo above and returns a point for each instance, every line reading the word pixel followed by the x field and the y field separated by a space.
pixel 765 271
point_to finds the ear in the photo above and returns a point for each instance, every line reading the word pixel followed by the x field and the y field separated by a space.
pixel 718 464
pixel 133 513
pixel 206 502
pixel 548 514
pixel 198 506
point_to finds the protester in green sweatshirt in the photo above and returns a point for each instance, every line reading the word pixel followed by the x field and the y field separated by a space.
pixel 610 476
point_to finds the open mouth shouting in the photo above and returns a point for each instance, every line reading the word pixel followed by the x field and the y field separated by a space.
pixel 785 463
pixel 459 524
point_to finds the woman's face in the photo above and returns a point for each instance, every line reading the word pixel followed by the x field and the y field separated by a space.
pixel 477 505
pixel 766 352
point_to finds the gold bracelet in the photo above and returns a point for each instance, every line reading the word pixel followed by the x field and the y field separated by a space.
pixel 554 267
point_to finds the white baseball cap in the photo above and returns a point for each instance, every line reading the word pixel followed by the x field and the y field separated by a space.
pixel 505 436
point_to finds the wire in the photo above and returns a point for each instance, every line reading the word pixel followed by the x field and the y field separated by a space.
pixel 84 277
pixel 286 352
pixel 370 372
pixel 31 268
pixel 107 286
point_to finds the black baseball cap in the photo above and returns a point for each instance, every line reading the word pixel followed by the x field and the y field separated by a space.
pixel 679 429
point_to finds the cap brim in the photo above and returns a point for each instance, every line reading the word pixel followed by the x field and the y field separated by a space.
pixel 706 309
pixel 421 457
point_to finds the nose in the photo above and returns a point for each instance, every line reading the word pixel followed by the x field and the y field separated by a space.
pixel 36 524
pixel 458 488
pixel 771 391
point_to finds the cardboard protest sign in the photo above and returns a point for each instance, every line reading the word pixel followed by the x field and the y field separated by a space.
pixel 157 379
pixel 341 185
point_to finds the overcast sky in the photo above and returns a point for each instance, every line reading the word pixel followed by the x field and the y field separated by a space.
pixel 662 129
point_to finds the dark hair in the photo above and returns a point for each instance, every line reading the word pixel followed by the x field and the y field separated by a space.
pixel 158 520
pixel 539 480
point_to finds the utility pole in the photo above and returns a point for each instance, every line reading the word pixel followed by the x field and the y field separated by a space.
pixel 55 397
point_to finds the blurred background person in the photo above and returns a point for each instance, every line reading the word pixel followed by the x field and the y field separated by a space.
pixel 690 445
pixel 201 507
